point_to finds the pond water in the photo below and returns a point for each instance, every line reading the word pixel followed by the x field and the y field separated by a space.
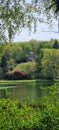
pixel 27 89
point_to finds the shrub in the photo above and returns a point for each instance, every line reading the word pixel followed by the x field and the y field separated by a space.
pixel 19 74
pixel 8 76
pixel 16 75
pixel 29 68
pixel 19 115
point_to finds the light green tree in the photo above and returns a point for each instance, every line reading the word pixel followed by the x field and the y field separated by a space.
pixel 50 64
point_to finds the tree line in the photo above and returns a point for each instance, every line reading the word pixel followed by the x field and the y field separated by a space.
pixel 44 65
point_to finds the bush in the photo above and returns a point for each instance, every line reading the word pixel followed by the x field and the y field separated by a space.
pixel 29 68
pixel 8 76
pixel 19 74
pixel 16 75
pixel 20 115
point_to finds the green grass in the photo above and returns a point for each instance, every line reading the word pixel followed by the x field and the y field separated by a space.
pixel 14 82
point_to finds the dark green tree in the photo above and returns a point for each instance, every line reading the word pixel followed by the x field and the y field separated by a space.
pixel 4 63
pixel 7 56
pixel 56 44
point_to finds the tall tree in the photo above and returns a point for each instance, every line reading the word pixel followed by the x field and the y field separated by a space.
pixel 11 17
pixel 14 15
pixel 50 64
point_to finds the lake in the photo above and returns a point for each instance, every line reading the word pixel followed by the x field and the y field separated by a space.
pixel 20 90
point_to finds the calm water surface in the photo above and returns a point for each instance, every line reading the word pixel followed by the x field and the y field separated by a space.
pixel 23 90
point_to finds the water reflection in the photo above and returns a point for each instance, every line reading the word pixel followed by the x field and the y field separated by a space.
pixel 23 90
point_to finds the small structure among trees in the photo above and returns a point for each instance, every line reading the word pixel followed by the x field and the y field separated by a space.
pixel 30 56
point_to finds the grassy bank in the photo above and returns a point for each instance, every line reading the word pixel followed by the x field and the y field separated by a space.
pixel 16 82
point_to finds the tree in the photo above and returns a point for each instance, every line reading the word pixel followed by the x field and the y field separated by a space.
pixel 16 14
pixel 54 4
pixel 50 64
pixel 17 53
pixel 38 59
pixel 47 5
pixel 49 9
pixel 11 17
pixel 6 57
pixel 56 44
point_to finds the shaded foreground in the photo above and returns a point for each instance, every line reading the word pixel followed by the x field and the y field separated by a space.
pixel 39 115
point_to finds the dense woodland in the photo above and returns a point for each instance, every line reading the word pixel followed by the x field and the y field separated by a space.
pixel 30 60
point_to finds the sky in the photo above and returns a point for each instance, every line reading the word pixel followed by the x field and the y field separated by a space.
pixel 43 33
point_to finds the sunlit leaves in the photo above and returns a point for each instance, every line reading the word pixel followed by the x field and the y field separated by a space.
pixel 50 64
pixel 11 17
pixel 17 14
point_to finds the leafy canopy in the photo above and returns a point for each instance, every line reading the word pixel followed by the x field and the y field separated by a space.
pixel 16 14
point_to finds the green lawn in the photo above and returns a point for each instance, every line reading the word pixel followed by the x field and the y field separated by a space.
pixel 27 81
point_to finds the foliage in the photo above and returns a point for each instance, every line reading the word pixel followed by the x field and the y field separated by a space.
pixel 38 60
pixel 15 15
pixel 50 64
pixel 20 115
pixel 15 57
pixel 12 18
pixel 56 44
pixel 16 75
pixel 49 7
pixel 17 53
pixel 19 74
pixel 29 68
pixel 6 59
pixel 1 74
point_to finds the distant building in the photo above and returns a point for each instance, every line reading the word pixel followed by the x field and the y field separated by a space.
pixel 30 56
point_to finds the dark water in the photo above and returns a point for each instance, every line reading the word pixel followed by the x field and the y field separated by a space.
pixel 23 90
